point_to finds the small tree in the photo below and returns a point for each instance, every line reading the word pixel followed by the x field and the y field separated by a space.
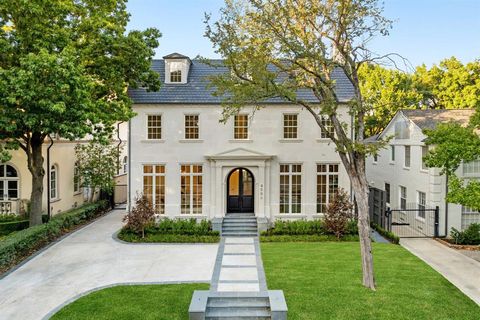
pixel 338 213
pixel 96 163
pixel 140 216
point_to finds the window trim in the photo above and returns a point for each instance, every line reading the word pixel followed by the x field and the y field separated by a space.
pixel 191 175
pixel 185 115
pixel 146 126
pixel 296 127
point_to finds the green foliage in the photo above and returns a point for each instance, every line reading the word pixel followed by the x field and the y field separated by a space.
pixel 19 245
pixel 470 236
pixel 338 214
pixel 304 227
pixel 12 226
pixel 9 217
pixel 307 238
pixel 141 215
pixel 168 238
pixel 387 234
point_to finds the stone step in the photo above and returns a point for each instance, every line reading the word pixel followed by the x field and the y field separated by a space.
pixel 240 215
pixel 238 313
pixel 239 234
pixel 254 222
pixel 239 227
pixel 228 302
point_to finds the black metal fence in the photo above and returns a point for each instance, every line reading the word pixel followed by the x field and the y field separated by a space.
pixel 413 221
pixel 377 207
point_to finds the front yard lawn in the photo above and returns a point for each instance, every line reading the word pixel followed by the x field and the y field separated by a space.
pixel 167 302
pixel 323 281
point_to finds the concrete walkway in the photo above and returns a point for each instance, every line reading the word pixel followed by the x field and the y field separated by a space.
pixel 459 269
pixel 90 258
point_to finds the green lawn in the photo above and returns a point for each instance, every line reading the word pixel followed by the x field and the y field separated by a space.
pixel 159 302
pixel 323 281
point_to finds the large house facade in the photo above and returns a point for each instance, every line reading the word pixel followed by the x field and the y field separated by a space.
pixel 274 162
pixel 400 171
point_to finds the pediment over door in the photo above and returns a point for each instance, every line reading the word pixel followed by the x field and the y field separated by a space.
pixel 240 153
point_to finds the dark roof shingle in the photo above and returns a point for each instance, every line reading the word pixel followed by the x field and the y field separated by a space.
pixel 428 119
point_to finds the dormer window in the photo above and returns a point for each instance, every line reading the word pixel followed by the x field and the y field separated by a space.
pixel 176 68
pixel 176 76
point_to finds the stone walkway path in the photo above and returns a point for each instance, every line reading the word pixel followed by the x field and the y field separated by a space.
pixel 238 267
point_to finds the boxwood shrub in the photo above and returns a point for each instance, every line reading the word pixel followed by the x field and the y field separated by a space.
pixel 469 236
pixel 17 246
pixel 11 226
pixel 304 228
pixel 386 234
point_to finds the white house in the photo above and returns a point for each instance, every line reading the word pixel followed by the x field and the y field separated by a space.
pixel 274 162
pixel 400 171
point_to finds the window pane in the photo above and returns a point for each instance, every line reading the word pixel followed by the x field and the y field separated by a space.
pixel 154 127
pixel 290 126
pixel 191 127
pixel 240 127
pixel 10 171
pixel 13 189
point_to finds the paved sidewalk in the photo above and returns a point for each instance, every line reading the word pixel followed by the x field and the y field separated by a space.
pixel 90 258
pixel 459 269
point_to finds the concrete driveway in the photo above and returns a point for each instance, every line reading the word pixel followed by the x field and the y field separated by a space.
pixel 462 271
pixel 89 258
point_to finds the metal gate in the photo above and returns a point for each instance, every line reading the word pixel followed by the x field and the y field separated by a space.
pixel 413 221
pixel 377 207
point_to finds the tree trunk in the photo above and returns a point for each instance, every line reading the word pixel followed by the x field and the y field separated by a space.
pixel 38 173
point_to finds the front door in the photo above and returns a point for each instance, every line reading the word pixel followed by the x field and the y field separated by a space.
pixel 240 191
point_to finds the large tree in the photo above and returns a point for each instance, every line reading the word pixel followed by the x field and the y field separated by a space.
pixel 276 47
pixel 65 66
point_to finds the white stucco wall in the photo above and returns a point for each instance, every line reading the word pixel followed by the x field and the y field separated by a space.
pixel 219 153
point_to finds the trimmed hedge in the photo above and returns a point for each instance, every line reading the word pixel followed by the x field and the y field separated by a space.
pixel 305 227
pixel 306 238
pixel 386 234
pixel 10 217
pixel 469 236
pixel 21 244
pixel 168 238
pixel 12 226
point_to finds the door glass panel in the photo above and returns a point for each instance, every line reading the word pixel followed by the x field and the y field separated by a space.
pixel 1 190
pixel 247 183
pixel 12 189
pixel 234 183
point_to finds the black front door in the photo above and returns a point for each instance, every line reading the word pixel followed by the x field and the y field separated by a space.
pixel 240 191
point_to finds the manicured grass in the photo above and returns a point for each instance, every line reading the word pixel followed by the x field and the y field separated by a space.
pixel 323 281
pixel 306 238
pixel 168 238
pixel 167 302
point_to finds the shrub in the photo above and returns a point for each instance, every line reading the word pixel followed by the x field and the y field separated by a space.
pixel 338 214
pixel 20 244
pixel 9 217
pixel 387 234
pixel 11 226
pixel 297 227
pixel 141 215
pixel 470 236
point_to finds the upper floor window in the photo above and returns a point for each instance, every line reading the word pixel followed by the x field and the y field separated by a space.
pixel 176 76
pixel 290 126
pixel 424 154
pixel 327 123
pixel 421 204
pixel 54 182
pixel 392 153
pixel 472 167
pixel 407 157
pixel 387 192
pixel 191 127
pixel 154 127
pixel 375 158
pixel 240 128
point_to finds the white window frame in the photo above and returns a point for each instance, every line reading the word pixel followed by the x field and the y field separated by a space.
pixel 471 169
pixel 469 216
pixel 402 195
pixel 147 127
pixel 235 127
pixel 5 181
pixel 197 127
pixel 290 126
pixel 409 157
pixel 158 207
pixel 328 174
pixel 388 193
pixel 290 174
pixel 327 123
pixel 190 176
pixel 54 182
pixel 77 183
pixel 421 203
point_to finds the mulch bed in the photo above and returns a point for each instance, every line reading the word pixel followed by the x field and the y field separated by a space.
pixel 458 246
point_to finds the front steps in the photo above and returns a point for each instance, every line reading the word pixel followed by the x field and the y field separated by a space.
pixel 239 225
pixel 234 307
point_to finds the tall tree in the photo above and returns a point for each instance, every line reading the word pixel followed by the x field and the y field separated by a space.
pixel 276 47
pixel 65 66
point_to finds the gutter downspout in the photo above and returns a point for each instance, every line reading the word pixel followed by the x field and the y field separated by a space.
pixel 129 158
pixel 49 213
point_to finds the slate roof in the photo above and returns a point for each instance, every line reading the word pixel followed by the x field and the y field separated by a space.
pixel 428 119
pixel 196 91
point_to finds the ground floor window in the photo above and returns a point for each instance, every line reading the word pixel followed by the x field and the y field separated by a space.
pixel 290 188
pixel 421 204
pixel 403 197
pixel 387 192
pixel 327 185
pixel 53 182
pixel 154 186
pixel 8 182
pixel 469 216
pixel 191 189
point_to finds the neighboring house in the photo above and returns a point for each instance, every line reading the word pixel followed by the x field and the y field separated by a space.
pixel 65 190
pixel 274 162
pixel 400 171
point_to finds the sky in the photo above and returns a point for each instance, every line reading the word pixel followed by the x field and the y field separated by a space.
pixel 424 31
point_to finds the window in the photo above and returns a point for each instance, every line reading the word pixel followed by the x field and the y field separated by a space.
pixel 154 127
pixel 392 153
pixel 407 157
pixel 176 76
pixel 472 167
pixel 125 164
pixel 375 158
pixel 290 126
pixel 290 188
pixel 154 186
pixel 191 189
pixel 403 198
pixel 469 216
pixel 8 182
pixel 421 204
pixel 424 154
pixel 387 192
pixel 327 123
pixel 76 178
pixel 240 127
pixel 53 182
pixel 327 185
pixel 191 127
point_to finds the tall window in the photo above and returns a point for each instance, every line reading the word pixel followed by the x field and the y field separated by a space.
pixel 290 126
pixel 472 167
pixel 191 189
pixel 53 182
pixel 469 216
pixel 403 197
pixel 8 182
pixel 176 76
pixel 154 186
pixel 191 126
pixel 421 204
pixel 407 157
pixel 154 127
pixel 327 123
pixel 424 154
pixel 387 192
pixel 392 153
pixel 76 178
pixel 290 188
pixel 327 185
pixel 240 128
pixel 125 164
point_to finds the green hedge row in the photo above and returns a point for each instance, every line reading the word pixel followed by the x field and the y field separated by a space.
pixel 469 236
pixel 306 238
pixel 168 238
pixel 304 227
pixel 386 234
pixel 19 245
pixel 8 217
pixel 11 226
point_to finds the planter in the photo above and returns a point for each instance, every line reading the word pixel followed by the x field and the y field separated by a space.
pixel 458 246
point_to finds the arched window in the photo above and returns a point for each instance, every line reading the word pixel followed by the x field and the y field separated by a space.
pixel 54 182
pixel 125 164
pixel 8 182
pixel 76 178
